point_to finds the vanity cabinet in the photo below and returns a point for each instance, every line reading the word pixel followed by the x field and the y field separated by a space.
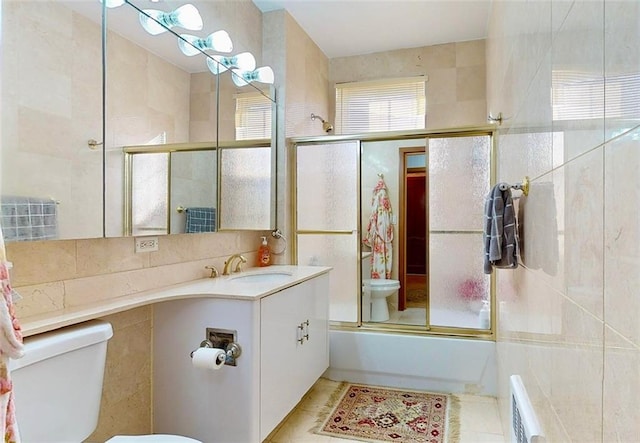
pixel 277 366
pixel 294 348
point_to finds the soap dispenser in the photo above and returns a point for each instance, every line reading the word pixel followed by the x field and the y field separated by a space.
pixel 264 253
pixel 485 315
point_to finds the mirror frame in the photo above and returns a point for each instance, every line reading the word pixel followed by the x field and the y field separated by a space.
pixel 131 151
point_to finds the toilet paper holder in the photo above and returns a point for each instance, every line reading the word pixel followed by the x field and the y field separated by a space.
pixel 222 339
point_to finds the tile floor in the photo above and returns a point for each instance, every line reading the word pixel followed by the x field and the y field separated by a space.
pixel 479 419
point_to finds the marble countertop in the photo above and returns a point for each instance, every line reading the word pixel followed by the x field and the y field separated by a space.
pixel 227 287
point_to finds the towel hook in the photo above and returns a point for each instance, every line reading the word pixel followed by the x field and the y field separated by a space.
pixel 525 185
pixel 493 119
pixel 381 175
pixel 93 144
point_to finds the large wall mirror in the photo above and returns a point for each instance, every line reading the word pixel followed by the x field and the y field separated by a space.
pixel 155 96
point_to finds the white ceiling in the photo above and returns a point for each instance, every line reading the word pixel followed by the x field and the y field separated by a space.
pixel 354 27
pixel 339 28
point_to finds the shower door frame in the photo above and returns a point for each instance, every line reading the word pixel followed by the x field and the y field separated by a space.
pixel 404 136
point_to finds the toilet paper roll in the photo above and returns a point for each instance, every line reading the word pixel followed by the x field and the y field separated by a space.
pixel 208 358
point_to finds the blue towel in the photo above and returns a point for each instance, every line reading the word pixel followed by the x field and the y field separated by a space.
pixel 500 239
pixel 200 220
pixel 28 218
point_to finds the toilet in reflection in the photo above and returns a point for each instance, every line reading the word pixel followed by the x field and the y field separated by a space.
pixel 58 386
pixel 377 290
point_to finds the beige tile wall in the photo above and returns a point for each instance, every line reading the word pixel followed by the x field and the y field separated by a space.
pixel 456 86
pixel 56 274
pixel 568 316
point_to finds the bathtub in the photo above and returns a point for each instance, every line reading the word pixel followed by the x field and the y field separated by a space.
pixel 429 363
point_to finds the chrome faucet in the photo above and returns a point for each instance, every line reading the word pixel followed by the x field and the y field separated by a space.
pixel 228 265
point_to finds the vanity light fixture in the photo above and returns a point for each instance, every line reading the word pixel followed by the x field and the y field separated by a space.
pixel 262 75
pixel 156 22
pixel 218 41
pixel 244 61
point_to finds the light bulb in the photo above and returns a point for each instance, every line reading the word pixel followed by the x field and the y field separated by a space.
pixel 113 3
pixel 156 22
pixel 219 41
pixel 262 75
pixel 244 61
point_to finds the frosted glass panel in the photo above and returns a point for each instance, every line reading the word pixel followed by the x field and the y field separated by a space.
pixel 245 188
pixel 458 182
pixel 340 252
pixel 149 199
pixel 327 186
pixel 193 184
pixel 457 283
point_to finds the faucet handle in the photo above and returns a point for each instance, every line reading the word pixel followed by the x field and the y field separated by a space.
pixel 240 263
pixel 214 271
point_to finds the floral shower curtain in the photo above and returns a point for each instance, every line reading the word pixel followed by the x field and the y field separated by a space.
pixel 380 232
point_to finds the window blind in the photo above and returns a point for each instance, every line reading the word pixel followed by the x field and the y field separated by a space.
pixel 581 95
pixel 253 116
pixel 388 105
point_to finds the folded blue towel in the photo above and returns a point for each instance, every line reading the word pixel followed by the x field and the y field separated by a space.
pixel 28 218
pixel 200 220
pixel 500 239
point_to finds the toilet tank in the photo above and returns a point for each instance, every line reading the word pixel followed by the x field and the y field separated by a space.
pixel 58 382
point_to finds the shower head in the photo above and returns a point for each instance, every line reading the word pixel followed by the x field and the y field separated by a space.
pixel 326 126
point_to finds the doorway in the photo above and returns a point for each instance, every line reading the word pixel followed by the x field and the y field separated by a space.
pixel 413 222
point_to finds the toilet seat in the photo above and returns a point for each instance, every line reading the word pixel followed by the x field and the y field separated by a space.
pixel 381 283
pixel 155 438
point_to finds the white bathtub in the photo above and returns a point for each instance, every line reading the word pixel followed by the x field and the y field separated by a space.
pixel 427 363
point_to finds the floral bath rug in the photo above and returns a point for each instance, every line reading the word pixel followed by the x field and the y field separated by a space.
pixel 376 414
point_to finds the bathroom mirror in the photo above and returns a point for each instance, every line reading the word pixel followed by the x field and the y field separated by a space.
pixel 52 176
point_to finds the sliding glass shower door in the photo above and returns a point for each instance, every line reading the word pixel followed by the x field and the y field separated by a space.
pixel 458 181
pixel 326 201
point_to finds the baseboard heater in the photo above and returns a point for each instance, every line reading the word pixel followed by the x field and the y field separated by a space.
pixel 525 427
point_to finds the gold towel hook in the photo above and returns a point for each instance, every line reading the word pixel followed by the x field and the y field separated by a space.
pixel 93 144
pixel 525 185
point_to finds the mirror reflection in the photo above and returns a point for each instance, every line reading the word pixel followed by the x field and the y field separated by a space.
pixel 52 179
pixel 51 105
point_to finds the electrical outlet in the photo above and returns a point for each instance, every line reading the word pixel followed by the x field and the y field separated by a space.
pixel 146 244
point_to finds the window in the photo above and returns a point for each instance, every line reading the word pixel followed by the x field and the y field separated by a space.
pixel 581 95
pixel 387 105
pixel 253 116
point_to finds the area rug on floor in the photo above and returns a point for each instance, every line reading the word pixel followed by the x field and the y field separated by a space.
pixel 376 414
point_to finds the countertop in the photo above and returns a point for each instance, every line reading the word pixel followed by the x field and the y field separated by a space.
pixel 227 287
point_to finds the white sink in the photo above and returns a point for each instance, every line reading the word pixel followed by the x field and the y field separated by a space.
pixel 263 277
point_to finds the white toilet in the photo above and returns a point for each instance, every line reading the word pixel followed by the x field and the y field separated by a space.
pixel 380 289
pixel 58 386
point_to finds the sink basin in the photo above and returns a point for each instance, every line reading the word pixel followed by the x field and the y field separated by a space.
pixel 263 277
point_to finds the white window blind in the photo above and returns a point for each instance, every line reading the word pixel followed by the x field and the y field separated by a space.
pixel 253 116
pixel 580 95
pixel 388 105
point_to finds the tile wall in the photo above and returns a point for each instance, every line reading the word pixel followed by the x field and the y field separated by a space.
pixel 456 91
pixel 568 316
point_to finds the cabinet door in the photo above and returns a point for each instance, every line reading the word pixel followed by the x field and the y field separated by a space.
pixel 280 317
pixel 314 351
pixel 291 363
